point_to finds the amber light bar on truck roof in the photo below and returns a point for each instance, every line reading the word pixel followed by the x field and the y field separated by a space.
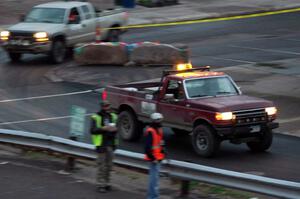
pixel 189 69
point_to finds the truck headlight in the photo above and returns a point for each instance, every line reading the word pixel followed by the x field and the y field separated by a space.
pixel 271 111
pixel 4 35
pixel 41 36
pixel 225 116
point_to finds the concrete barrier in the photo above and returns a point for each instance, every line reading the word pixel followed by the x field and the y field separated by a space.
pixel 101 53
pixel 143 53
pixel 149 53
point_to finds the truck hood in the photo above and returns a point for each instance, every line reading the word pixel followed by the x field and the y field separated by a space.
pixel 230 103
pixel 37 27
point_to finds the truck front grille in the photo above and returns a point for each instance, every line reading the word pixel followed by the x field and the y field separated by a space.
pixel 252 116
pixel 21 36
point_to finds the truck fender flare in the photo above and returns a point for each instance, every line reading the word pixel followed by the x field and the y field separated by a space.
pixel 123 107
pixel 199 121
pixel 58 36
pixel 115 26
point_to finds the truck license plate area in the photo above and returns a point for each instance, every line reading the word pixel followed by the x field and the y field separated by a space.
pixel 254 129
pixel 19 42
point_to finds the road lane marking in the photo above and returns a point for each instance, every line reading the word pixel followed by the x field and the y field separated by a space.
pixel 288 120
pixel 234 60
pixel 46 96
pixel 293 40
pixel 266 50
pixel 40 119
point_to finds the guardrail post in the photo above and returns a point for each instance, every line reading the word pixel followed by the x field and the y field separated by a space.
pixel 185 188
pixel 70 165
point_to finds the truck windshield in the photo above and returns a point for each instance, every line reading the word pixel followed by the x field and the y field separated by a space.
pixel 45 15
pixel 213 86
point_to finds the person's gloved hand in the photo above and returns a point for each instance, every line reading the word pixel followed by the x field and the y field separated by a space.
pixel 100 149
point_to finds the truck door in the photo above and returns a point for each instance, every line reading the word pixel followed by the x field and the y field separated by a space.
pixel 172 106
pixel 88 23
pixel 75 28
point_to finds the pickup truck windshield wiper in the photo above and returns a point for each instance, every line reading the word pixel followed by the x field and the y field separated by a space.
pixel 30 19
pixel 224 92
pixel 200 95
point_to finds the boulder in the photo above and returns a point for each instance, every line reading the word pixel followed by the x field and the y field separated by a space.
pixel 110 53
pixel 149 53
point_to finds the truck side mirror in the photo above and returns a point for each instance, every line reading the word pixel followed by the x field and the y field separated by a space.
pixel 22 17
pixel 169 96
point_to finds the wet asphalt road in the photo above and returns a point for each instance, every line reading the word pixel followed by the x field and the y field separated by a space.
pixel 220 44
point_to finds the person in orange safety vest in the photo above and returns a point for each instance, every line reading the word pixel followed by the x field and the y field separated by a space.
pixel 154 153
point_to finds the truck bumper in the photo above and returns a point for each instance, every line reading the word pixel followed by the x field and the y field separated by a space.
pixel 35 48
pixel 245 131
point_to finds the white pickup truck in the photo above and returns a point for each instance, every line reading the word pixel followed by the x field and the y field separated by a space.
pixel 54 27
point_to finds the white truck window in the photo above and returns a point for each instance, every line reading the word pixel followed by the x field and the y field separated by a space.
pixel 45 15
pixel 86 11
pixel 74 17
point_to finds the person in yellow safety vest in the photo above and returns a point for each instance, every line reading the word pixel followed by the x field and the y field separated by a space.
pixel 103 131
pixel 154 152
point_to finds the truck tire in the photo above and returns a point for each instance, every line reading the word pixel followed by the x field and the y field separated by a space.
pixel 264 143
pixel 113 35
pixel 129 128
pixel 14 57
pixel 58 51
pixel 204 140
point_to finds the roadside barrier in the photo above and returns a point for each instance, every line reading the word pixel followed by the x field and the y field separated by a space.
pixel 175 169
pixel 139 54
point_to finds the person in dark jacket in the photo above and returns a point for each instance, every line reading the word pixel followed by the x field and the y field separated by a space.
pixel 154 153
pixel 103 131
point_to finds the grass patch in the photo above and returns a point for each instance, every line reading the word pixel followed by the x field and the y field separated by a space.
pixel 220 192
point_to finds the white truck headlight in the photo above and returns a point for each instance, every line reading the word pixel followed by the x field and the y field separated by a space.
pixel 271 110
pixel 41 36
pixel 4 35
pixel 225 116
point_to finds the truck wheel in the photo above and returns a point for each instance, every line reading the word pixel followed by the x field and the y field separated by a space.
pixel 264 143
pixel 204 140
pixel 129 128
pixel 15 57
pixel 58 51
pixel 113 35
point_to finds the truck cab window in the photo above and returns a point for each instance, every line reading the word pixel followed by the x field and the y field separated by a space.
pixel 86 12
pixel 176 89
pixel 74 17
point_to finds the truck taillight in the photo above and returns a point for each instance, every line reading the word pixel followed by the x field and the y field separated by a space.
pixel 104 95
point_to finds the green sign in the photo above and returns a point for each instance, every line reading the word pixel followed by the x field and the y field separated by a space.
pixel 77 121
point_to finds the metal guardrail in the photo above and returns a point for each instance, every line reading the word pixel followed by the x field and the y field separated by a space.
pixel 176 169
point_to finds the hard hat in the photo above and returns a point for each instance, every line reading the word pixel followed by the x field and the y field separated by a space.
pixel 156 117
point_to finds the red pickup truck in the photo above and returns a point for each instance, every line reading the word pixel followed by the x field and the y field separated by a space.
pixel 207 104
